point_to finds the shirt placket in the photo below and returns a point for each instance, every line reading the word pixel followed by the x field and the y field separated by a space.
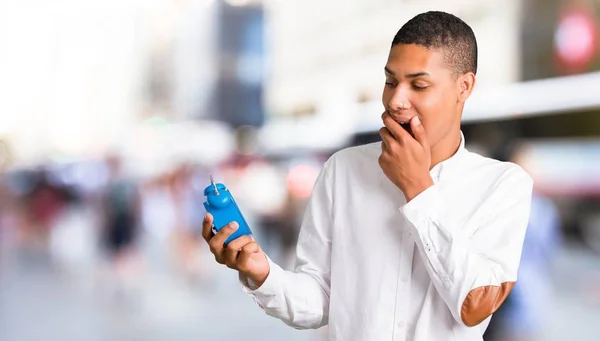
pixel 403 287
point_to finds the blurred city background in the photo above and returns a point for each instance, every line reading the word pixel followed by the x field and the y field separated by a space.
pixel 113 114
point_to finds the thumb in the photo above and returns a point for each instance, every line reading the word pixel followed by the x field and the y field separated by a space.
pixel 419 131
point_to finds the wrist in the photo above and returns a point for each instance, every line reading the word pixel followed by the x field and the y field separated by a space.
pixel 418 187
pixel 258 278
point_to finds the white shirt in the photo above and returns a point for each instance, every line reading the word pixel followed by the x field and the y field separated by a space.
pixel 376 268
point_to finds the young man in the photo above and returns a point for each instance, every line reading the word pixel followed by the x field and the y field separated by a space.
pixel 413 238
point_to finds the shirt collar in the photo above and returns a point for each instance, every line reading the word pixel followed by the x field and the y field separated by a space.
pixel 450 163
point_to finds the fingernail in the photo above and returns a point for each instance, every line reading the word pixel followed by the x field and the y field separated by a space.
pixel 234 225
pixel 206 217
pixel 417 120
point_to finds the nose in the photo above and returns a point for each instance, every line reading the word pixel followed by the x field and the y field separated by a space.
pixel 399 100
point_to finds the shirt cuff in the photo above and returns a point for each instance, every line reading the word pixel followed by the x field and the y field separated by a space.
pixel 271 284
pixel 423 207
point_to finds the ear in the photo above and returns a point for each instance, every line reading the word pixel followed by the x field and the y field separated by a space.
pixel 465 84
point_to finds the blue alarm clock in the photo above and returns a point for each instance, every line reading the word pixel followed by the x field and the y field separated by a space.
pixel 221 205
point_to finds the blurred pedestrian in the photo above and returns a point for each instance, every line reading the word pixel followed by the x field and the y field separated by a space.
pixel 43 205
pixel 120 228
pixel 187 203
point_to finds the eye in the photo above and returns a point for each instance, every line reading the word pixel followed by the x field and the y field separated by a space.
pixel 420 87
pixel 390 84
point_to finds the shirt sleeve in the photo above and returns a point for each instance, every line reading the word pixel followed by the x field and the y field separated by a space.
pixel 300 298
pixel 474 271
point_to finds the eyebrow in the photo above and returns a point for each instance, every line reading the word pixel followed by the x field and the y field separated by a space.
pixel 410 75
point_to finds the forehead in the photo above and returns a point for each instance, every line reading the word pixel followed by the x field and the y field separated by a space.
pixel 412 58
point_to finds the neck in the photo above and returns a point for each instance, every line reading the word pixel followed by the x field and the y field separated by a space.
pixel 446 147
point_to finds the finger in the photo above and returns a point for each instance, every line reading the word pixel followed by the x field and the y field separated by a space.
pixel 387 139
pixel 230 256
pixel 207 227
pixel 247 251
pixel 399 133
pixel 234 247
pixel 217 242
pixel 419 131
pixel 240 242
pixel 382 161
pixel 219 257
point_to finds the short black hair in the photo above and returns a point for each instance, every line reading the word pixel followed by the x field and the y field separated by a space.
pixel 446 32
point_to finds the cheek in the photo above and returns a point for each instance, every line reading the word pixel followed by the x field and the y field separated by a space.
pixel 435 116
pixel 428 110
pixel 386 96
pixel 431 127
pixel 431 102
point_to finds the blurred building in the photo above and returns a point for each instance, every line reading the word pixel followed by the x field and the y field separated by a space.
pixel 327 58
pixel 209 64
pixel 326 62
pixel 79 77
pixel 69 76
pixel 241 55
pixel 559 38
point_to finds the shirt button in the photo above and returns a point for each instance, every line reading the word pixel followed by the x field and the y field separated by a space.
pixel 400 324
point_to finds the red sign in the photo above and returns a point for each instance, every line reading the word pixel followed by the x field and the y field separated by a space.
pixel 576 40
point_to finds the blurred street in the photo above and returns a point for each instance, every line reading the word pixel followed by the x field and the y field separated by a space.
pixel 49 300
pixel 44 300
pixel 577 297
